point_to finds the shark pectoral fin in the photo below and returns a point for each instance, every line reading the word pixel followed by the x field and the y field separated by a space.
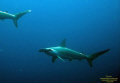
pixel 60 58
pixel 57 54
pixel 53 59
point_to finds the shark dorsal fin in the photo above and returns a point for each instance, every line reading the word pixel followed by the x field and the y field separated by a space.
pixel 63 43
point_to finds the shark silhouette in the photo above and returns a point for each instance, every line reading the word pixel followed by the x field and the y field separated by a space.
pixel 62 53
pixel 14 17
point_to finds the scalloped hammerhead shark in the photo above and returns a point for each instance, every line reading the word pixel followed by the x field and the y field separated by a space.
pixel 62 53
pixel 14 17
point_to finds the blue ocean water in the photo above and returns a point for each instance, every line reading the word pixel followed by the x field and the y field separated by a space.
pixel 89 26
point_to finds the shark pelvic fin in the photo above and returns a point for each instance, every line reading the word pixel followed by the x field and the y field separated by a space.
pixel 63 43
pixel 53 59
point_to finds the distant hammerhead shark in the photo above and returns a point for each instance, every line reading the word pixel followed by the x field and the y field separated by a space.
pixel 14 17
pixel 62 53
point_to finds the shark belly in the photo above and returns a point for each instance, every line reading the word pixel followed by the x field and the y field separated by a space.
pixel 4 15
pixel 62 53
pixel 66 53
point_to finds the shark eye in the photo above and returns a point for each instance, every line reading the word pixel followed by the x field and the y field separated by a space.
pixel 50 50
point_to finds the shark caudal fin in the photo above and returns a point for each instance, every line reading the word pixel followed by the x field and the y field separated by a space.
pixel 18 15
pixel 95 55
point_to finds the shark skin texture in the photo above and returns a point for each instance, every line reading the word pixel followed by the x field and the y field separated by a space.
pixel 62 52
pixel 14 17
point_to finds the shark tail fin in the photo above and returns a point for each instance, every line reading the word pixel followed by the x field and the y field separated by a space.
pixel 95 55
pixel 18 15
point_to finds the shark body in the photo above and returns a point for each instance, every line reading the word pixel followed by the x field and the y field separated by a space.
pixel 14 17
pixel 62 53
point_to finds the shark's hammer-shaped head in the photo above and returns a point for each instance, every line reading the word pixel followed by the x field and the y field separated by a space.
pixel 52 51
pixel 49 51
pixel 45 50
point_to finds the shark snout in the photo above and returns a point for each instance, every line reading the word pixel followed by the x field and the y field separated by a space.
pixel 45 50
pixel 42 50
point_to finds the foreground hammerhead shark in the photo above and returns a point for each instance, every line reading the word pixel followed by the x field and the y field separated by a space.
pixel 14 17
pixel 62 53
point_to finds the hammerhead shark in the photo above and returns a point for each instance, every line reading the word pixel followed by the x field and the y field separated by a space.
pixel 62 53
pixel 14 17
